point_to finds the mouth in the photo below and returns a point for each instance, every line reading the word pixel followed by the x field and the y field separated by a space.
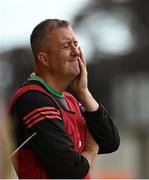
pixel 74 66
pixel 74 62
pixel 74 59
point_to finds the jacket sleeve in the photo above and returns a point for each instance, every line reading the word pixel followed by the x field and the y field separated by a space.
pixel 103 129
pixel 52 145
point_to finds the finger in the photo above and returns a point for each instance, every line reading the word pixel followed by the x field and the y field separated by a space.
pixel 81 64
pixel 82 56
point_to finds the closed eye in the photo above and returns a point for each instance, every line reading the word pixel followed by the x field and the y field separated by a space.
pixel 69 44
pixel 65 46
pixel 76 43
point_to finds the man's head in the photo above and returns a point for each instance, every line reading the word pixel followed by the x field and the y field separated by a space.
pixel 39 34
pixel 55 48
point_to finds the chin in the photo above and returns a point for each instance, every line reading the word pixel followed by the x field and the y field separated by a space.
pixel 74 73
pixel 77 72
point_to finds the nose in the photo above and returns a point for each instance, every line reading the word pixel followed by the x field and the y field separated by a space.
pixel 75 51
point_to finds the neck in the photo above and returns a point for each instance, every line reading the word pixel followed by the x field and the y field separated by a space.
pixel 56 83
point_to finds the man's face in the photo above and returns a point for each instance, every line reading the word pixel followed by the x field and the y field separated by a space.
pixel 63 53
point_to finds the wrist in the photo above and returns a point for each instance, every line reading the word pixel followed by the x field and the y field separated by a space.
pixel 87 100
pixel 83 94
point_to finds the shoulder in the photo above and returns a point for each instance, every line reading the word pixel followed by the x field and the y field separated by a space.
pixel 32 91
pixel 32 99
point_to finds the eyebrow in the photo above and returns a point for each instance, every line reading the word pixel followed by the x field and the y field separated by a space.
pixel 68 41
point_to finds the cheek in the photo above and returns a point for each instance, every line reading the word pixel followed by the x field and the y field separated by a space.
pixel 64 53
pixel 60 61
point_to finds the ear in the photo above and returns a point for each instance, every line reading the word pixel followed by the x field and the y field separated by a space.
pixel 43 59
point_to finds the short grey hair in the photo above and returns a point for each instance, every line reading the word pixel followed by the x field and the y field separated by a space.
pixel 40 31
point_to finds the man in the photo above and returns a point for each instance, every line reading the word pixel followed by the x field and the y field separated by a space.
pixel 55 137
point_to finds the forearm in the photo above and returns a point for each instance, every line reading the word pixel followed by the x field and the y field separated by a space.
pixel 76 165
pixel 103 129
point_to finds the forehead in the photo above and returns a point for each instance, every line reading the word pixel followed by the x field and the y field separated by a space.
pixel 61 35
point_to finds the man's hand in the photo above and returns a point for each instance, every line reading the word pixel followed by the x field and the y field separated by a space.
pixel 91 149
pixel 80 86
